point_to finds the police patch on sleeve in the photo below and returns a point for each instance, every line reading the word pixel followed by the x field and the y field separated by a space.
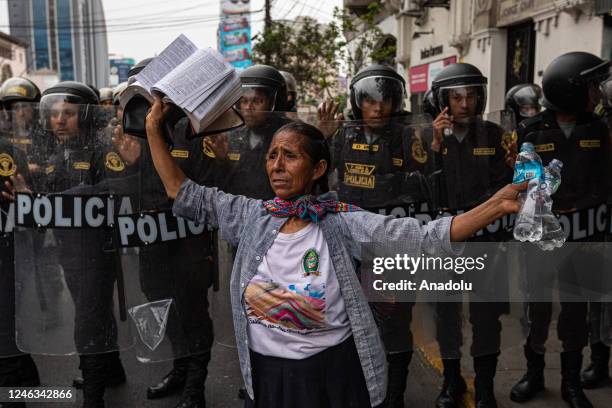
pixel 113 162
pixel 7 165
pixel 207 150
pixel 418 153
pixel 507 140
pixel 310 263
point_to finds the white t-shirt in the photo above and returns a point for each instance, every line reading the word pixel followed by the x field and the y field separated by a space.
pixel 293 303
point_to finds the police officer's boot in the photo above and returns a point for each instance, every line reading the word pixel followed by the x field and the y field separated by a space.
pixel 93 368
pixel 485 367
pixel 172 383
pixel 597 373
pixel 533 380
pixel 453 387
pixel 193 394
pixel 115 374
pixel 398 373
pixel 571 388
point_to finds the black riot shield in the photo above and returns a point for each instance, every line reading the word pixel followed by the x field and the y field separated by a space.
pixel 69 275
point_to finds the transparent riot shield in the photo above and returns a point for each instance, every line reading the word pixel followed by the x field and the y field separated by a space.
pixel 174 260
pixel 69 276
pixel 12 160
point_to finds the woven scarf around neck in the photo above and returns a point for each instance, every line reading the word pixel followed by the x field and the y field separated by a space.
pixel 306 207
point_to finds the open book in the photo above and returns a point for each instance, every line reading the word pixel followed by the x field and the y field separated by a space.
pixel 198 81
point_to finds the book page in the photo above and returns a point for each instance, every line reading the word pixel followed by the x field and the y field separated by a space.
pixel 134 89
pixel 218 102
pixel 188 83
pixel 172 56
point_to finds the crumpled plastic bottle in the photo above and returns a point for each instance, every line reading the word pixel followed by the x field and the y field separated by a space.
pixel 552 233
pixel 528 167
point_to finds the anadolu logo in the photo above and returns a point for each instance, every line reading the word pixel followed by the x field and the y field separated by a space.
pixel 310 262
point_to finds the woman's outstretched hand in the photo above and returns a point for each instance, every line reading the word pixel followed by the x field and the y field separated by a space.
pixel 505 201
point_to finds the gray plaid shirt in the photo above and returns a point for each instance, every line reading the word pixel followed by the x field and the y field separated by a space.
pixel 244 222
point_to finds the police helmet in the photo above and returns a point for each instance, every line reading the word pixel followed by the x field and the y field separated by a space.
pixel 457 78
pixel 18 90
pixel 139 67
pixel 106 94
pixel 567 80
pixel 291 90
pixel 428 106
pixel 71 92
pixel 263 80
pixel 377 82
pixel 117 91
pixel 524 100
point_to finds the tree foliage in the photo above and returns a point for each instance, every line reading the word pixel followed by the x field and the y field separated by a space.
pixel 315 52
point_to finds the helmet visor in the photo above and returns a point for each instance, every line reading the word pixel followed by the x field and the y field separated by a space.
pixel 257 98
pixel 378 92
pixel 63 114
pixel 463 101
pixel 528 100
pixel 606 92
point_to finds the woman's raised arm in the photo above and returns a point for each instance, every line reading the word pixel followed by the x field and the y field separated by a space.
pixel 170 173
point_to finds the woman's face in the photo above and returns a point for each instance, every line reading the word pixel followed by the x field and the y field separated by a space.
pixel 290 170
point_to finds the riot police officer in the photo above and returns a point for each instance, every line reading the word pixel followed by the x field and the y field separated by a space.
pixel 291 105
pixel 262 105
pixel 380 163
pixel 19 98
pixel 470 156
pixel 597 373
pixel 180 270
pixel 567 130
pixel 524 101
pixel 106 96
pixel 80 159
pixel 17 369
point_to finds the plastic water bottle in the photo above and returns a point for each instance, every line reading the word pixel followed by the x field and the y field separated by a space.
pixel 552 233
pixel 528 167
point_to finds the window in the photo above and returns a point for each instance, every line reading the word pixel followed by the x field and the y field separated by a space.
pixel 64 38
pixel 41 34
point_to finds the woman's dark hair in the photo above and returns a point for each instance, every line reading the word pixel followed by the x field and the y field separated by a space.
pixel 316 147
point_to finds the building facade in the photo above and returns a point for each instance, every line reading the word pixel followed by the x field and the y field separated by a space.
pixel 510 41
pixel 64 36
pixel 12 57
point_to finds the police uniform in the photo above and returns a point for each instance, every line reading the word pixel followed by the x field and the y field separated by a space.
pixel 585 157
pixel 375 173
pixel 16 369
pixel 471 172
pixel 88 258
pixel 245 164
pixel 181 270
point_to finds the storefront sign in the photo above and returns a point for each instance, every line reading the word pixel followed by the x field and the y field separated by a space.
pixel 511 11
pixel 421 76
pixel 432 51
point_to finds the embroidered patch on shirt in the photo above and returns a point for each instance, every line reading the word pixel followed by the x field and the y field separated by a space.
pixel 590 143
pixel 548 147
pixel 484 151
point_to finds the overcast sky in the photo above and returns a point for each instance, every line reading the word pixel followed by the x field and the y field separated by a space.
pixel 133 25
pixel 142 28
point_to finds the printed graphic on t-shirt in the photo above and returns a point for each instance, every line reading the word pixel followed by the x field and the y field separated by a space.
pixel 293 308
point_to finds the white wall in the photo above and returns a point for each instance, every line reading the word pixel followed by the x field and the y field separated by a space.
pixel 568 35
